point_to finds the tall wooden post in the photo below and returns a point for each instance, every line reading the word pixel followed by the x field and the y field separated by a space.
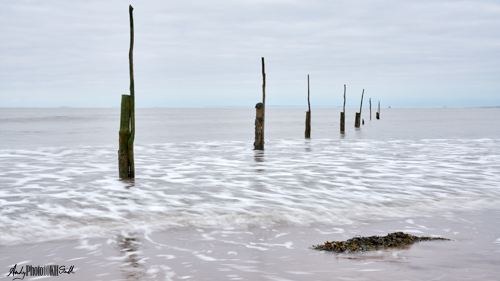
pixel 342 117
pixel 361 105
pixel 260 114
pixel 259 127
pixel 370 108
pixel 126 167
pixel 263 101
pixel 132 96
pixel 378 112
pixel 357 120
pixel 308 113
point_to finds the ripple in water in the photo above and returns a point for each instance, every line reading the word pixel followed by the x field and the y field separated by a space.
pixel 60 193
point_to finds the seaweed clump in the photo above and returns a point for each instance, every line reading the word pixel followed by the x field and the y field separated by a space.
pixel 362 244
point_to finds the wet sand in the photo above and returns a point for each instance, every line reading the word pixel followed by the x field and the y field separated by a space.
pixel 277 252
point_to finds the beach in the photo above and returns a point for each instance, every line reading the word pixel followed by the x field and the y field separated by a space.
pixel 205 206
pixel 279 252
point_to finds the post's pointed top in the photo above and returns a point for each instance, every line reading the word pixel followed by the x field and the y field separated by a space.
pixel 130 8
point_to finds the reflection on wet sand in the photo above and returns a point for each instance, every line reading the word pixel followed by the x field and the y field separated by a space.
pixel 307 146
pixel 380 254
pixel 259 156
pixel 132 267
pixel 128 183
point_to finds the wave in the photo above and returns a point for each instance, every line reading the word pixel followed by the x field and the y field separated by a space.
pixel 70 192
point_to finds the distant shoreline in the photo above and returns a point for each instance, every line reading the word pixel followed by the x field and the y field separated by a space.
pixel 236 107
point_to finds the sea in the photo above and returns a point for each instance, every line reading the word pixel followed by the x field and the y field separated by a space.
pixel 205 205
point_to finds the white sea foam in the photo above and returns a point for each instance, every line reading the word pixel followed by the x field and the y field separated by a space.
pixel 56 193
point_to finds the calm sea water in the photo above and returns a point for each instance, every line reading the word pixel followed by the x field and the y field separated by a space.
pixel 196 169
pixel 69 127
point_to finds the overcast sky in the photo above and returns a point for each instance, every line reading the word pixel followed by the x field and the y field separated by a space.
pixel 208 53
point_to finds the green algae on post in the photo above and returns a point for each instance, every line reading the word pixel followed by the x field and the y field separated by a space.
pixel 363 244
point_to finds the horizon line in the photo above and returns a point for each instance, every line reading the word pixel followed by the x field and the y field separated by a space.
pixel 269 106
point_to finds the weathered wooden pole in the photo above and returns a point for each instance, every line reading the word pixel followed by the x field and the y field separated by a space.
pixel 259 127
pixel 124 135
pixel 260 115
pixel 132 96
pixel 126 168
pixel 342 117
pixel 378 112
pixel 358 115
pixel 308 113
pixel 361 105
pixel 263 97
pixel 370 108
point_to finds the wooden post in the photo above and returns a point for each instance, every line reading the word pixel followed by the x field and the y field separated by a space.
pixel 358 115
pixel 132 96
pixel 308 113
pixel 124 135
pixel 342 117
pixel 259 127
pixel 263 100
pixel 126 167
pixel 370 108
pixel 378 112
pixel 260 115
pixel 361 105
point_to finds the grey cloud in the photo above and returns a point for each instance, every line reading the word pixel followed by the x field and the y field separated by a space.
pixel 207 53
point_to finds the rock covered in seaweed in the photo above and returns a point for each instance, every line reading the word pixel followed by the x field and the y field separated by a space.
pixel 362 244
